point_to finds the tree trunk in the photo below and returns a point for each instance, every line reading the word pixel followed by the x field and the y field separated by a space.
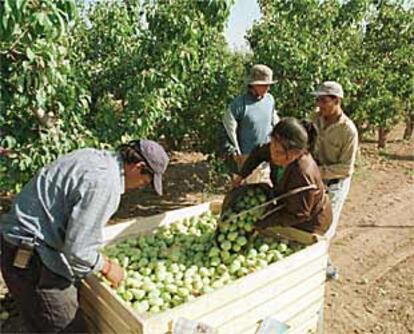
pixel 362 129
pixel 382 137
pixel 409 127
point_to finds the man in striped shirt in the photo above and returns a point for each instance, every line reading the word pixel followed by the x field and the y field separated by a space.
pixel 51 237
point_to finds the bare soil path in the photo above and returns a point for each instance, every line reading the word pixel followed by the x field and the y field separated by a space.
pixel 374 248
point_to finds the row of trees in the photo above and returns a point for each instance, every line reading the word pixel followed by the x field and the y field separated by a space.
pixel 74 76
pixel 366 45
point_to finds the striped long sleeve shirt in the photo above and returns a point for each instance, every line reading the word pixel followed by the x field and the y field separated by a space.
pixel 65 207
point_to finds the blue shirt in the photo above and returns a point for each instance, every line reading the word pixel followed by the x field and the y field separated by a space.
pixel 66 206
pixel 255 120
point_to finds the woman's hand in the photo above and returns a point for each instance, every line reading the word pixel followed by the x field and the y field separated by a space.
pixel 237 181
pixel 240 160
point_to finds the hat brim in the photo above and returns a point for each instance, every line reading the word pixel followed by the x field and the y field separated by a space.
pixel 319 93
pixel 326 94
pixel 157 183
pixel 261 83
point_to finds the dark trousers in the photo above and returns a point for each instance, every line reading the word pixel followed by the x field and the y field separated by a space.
pixel 47 302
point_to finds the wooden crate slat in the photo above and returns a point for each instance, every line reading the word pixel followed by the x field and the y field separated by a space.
pixel 93 302
pixel 97 323
pixel 307 322
pixel 311 309
pixel 279 305
pixel 114 302
pixel 309 312
pixel 307 326
pixel 314 301
pixel 309 315
pixel 108 320
pixel 91 328
pixel 206 303
pixel 272 293
pixel 92 318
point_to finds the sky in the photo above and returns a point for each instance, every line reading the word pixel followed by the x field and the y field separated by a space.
pixel 242 16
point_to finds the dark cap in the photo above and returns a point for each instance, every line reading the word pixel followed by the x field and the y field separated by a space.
pixel 156 158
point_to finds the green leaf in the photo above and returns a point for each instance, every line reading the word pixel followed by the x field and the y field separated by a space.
pixel 20 4
pixel 4 22
pixel 30 54
pixel 9 142
pixel 7 6
pixel 40 98
pixel 41 18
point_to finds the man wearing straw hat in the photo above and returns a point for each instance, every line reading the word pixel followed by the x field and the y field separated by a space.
pixel 249 120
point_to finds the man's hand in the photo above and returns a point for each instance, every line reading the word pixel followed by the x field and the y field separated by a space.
pixel 113 272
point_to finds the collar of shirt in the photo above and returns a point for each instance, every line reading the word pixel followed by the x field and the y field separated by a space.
pixel 251 97
pixel 340 120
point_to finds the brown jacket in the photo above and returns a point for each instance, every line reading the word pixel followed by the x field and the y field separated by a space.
pixel 309 210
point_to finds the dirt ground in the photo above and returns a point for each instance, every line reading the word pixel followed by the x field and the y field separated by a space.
pixel 373 248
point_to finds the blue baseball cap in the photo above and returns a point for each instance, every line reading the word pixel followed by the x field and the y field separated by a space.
pixel 156 159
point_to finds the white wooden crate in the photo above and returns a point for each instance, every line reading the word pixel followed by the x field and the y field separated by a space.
pixel 290 290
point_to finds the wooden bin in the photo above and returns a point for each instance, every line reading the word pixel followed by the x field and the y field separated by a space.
pixel 290 290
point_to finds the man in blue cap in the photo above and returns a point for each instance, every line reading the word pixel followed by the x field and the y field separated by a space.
pixel 51 237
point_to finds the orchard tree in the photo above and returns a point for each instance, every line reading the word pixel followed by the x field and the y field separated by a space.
pixel 41 104
pixel 386 69
pixel 104 41
pixel 194 66
pixel 157 69
pixel 365 45
pixel 119 70
pixel 306 42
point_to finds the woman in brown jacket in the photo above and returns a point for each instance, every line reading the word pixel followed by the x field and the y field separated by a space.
pixel 308 210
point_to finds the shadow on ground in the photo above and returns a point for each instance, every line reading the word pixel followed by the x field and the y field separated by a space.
pixel 400 157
